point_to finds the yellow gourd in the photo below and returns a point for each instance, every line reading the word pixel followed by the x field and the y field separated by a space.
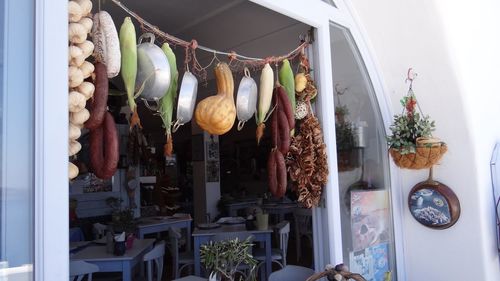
pixel 216 114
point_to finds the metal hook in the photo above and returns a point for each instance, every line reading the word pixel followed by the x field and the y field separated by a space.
pixel 410 76
pixel 340 91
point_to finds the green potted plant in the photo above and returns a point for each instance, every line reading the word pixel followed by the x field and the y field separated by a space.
pixel 123 221
pixel 411 144
pixel 224 258
pixel 344 135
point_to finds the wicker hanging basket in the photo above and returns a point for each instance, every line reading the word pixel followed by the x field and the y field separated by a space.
pixel 428 152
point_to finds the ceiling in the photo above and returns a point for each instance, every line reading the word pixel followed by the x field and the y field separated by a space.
pixel 225 25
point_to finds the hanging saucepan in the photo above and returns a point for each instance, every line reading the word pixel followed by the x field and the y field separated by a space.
pixel 186 100
pixel 153 71
pixel 246 99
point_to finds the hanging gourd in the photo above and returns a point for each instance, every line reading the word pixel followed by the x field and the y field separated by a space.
pixel 216 114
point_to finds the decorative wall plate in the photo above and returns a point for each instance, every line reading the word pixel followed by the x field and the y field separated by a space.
pixel 434 204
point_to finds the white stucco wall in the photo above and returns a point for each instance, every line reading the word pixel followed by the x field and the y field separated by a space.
pixel 454 46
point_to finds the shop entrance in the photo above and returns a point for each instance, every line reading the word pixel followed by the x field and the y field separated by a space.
pixel 208 178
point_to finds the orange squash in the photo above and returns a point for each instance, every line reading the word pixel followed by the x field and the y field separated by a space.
pixel 216 114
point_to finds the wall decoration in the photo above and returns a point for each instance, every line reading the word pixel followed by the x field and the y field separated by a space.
pixel 434 204
pixel 369 218
pixel 212 171
pixel 495 180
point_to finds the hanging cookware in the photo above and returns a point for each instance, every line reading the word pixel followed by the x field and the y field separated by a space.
pixel 186 101
pixel 246 99
pixel 153 71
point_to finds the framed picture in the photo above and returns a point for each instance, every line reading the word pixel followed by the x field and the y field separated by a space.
pixel 434 205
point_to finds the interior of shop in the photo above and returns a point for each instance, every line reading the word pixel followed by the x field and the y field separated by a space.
pixel 209 180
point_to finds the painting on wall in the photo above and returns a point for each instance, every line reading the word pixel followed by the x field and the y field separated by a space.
pixel 369 218
pixel 212 171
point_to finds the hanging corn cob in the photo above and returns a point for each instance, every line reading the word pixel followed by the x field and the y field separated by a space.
pixel 128 49
pixel 265 96
pixel 167 102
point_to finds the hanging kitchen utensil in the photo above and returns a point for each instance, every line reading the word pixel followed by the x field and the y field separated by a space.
pixel 186 101
pixel 153 71
pixel 246 100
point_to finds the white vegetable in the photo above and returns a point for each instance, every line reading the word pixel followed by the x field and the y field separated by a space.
pixel 77 33
pixel 87 48
pixel 75 76
pixel 107 44
pixel 87 23
pixel 265 92
pixel 87 68
pixel 76 101
pixel 86 6
pixel 87 89
pixel 74 132
pixel 75 11
pixel 78 118
pixel 74 147
pixel 75 56
pixel 72 171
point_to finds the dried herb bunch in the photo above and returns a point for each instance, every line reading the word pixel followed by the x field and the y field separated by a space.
pixel 225 257
pixel 409 126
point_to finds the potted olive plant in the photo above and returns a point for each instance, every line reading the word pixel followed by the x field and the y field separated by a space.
pixel 223 259
pixel 411 144
pixel 344 136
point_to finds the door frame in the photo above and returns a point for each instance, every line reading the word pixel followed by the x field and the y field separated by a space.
pixel 51 253
pixel 321 15
pixel 51 121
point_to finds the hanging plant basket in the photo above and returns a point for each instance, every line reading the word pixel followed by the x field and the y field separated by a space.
pixel 428 153
pixel 411 144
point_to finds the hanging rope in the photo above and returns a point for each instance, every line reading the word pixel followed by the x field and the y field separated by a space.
pixel 191 63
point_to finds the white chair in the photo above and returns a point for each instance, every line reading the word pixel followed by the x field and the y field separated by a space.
pixel 79 269
pixel 291 273
pixel 99 230
pixel 277 255
pixel 303 227
pixel 155 255
pixel 178 259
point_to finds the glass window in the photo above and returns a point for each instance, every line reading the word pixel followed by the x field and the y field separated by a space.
pixel 16 138
pixel 366 213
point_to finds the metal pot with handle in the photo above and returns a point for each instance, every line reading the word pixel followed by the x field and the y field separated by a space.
pixel 153 71
pixel 246 99
pixel 186 100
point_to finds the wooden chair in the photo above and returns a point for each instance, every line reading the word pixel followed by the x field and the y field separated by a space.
pixel 79 269
pixel 303 227
pixel 291 273
pixel 155 255
pixel 178 259
pixel 277 255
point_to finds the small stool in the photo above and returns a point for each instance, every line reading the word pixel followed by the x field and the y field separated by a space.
pixel 191 278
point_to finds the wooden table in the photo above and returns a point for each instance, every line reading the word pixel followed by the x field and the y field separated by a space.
pixel 233 207
pixel 204 236
pixel 149 225
pixel 96 254
pixel 279 209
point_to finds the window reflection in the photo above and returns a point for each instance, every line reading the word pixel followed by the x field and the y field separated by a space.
pixel 366 219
